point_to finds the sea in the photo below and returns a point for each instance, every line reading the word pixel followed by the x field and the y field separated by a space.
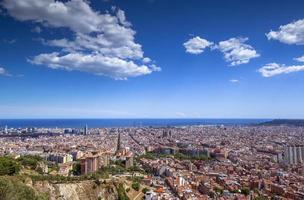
pixel 107 123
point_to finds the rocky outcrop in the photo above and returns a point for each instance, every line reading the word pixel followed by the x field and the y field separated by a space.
pixel 82 190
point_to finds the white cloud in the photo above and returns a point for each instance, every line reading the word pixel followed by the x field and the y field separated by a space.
pixel 236 51
pixel 146 60
pixel 122 18
pixel 123 46
pixel 4 72
pixel 299 59
pixel 292 33
pixel 75 14
pixel 234 80
pixel 274 69
pixel 155 68
pixel 97 64
pixel 196 45
pixel 102 44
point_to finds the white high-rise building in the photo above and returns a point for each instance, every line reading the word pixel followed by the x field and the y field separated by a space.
pixel 288 155
pixel 5 130
pixel 295 157
pixel 293 154
pixel 299 154
pixel 85 132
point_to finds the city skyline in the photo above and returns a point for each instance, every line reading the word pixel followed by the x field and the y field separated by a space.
pixel 151 59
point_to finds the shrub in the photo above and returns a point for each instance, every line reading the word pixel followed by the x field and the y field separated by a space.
pixel 8 166
pixel 137 178
pixel 122 193
pixel 30 161
pixel 14 189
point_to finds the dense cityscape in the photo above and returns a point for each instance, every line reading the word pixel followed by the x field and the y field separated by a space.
pixel 188 162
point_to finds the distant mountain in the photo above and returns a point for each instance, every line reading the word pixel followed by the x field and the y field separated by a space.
pixel 288 122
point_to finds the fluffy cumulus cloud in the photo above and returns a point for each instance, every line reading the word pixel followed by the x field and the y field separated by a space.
pixel 196 45
pixel 299 59
pixel 75 14
pixel 236 52
pixel 292 33
pixel 274 69
pixel 102 44
pixel 110 66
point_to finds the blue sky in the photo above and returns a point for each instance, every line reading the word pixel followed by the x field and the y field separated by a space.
pixel 151 59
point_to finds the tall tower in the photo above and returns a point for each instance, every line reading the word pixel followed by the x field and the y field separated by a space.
pixel 288 155
pixel 302 152
pixel 299 154
pixel 293 154
pixel 5 130
pixel 295 157
pixel 118 143
pixel 85 132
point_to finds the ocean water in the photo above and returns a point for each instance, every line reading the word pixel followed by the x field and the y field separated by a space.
pixel 96 123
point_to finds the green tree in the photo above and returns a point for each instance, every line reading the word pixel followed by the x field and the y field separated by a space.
pixel 245 191
pixel 218 190
pixel 76 169
pixel 145 190
pixel 135 185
